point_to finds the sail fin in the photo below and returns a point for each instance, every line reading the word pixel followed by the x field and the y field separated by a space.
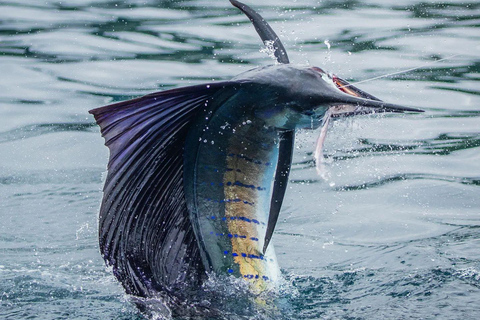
pixel 144 227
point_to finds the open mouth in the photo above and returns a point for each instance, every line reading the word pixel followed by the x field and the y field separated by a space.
pixel 344 86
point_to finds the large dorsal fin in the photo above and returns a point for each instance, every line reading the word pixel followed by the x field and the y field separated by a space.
pixel 144 227
pixel 264 30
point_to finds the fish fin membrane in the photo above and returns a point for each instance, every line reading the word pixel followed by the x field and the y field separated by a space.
pixel 144 228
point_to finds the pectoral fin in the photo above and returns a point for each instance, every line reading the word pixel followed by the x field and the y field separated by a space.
pixel 287 139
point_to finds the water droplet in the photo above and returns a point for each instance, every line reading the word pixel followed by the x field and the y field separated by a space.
pixel 269 49
pixel 327 43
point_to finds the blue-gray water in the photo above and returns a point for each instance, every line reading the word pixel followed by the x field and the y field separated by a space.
pixel 392 233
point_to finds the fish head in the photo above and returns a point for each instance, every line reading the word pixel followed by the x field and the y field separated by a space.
pixel 296 97
pixel 324 94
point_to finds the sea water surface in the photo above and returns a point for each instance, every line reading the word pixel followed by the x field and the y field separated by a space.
pixel 391 232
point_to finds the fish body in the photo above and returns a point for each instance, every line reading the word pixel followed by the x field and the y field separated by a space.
pixel 230 163
pixel 229 186
pixel 197 175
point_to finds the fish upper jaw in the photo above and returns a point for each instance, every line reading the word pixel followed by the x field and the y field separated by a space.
pixel 304 90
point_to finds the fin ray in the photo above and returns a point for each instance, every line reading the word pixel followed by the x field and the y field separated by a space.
pixel 285 152
pixel 144 227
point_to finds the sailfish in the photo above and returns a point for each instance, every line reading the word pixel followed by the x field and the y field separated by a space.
pixel 197 175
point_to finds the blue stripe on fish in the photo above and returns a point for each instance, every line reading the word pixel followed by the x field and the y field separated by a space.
pixel 236 183
pixel 233 236
pixel 241 156
pixel 230 200
pixel 216 170
pixel 255 276
pixel 244 255
pixel 240 218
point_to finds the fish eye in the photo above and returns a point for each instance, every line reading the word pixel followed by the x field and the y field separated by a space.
pixel 336 82
pixel 319 70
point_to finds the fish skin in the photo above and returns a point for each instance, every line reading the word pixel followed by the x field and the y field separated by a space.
pixel 280 97
pixel 228 185
pixel 154 228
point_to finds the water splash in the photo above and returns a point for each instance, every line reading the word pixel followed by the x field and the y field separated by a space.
pixel 328 55
pixel 269 50
pixel 327 43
